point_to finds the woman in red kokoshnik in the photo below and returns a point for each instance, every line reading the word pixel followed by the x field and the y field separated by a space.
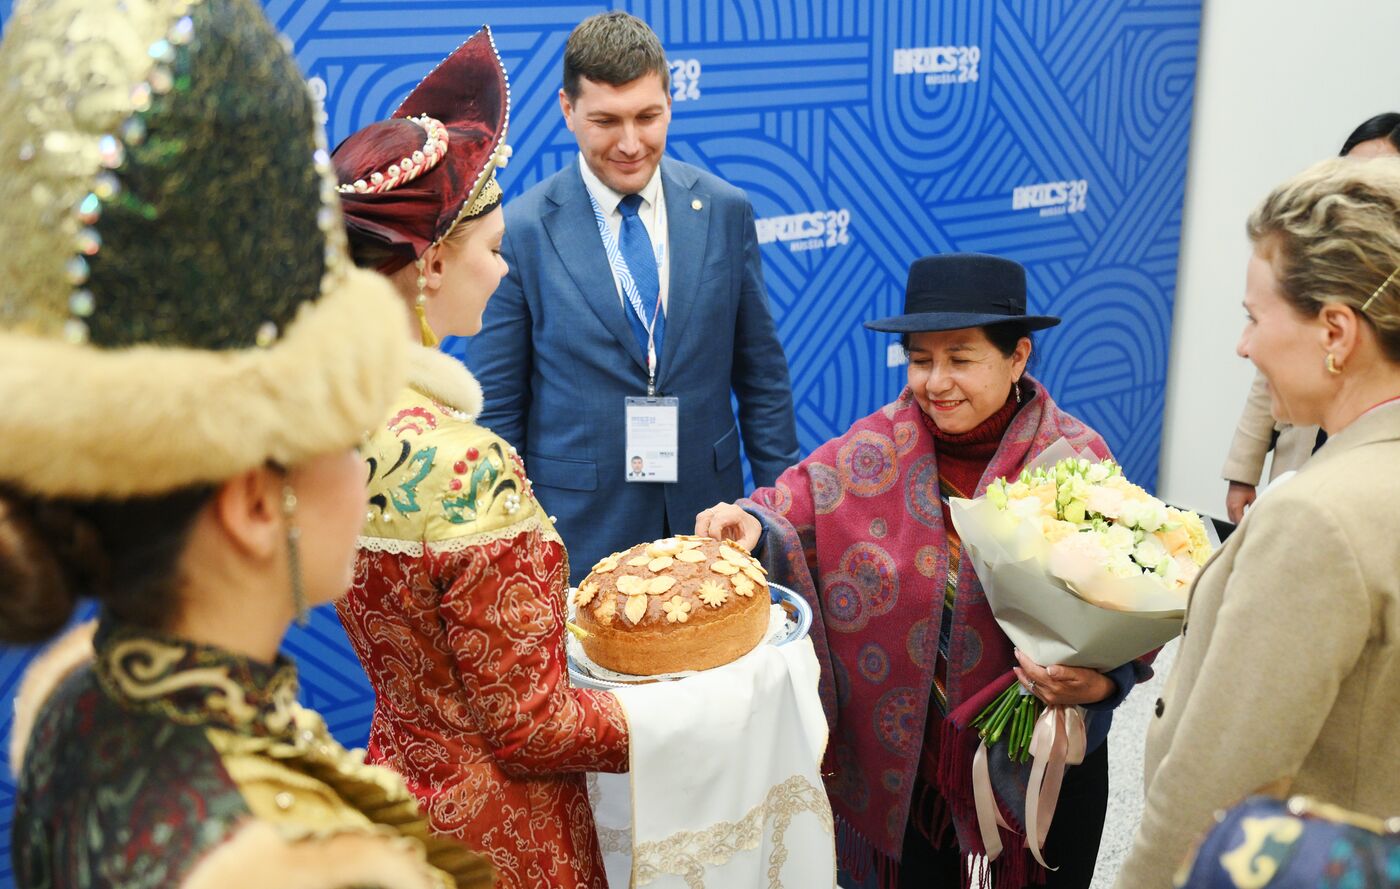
pixel 457 605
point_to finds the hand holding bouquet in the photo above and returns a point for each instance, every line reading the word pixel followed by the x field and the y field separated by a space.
pixel 1081 568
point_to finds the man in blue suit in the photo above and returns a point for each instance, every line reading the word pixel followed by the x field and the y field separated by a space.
pixel 632 276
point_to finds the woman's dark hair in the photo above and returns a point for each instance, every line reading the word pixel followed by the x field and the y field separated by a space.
pixel 123 553
pixel 613 48
pixel 1382 126
pixel 372 255
pixel 1003 336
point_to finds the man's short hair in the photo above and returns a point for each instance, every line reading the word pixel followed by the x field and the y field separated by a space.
pixel 613 48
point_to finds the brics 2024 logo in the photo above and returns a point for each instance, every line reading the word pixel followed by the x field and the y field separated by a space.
pixel 1052 198
pixel 685 79
pixel 806 231
pixel 939 64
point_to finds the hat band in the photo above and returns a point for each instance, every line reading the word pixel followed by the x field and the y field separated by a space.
pixel 409 168
pixel 487 199
pixel 925 302
pixel 486 194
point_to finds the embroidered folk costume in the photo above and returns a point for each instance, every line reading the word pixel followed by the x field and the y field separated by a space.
pixel 457 607
pixel 179 310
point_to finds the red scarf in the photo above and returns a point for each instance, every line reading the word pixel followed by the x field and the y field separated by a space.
pixel 858 529
pixel 963 458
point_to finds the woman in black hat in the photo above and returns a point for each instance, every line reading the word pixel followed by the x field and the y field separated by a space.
pixel 910 648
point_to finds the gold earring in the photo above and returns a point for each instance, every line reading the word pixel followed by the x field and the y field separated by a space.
pixel 289 508
pixel 420 306
pixel 1332 367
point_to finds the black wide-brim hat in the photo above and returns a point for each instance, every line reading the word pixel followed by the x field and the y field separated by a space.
pixel 960 290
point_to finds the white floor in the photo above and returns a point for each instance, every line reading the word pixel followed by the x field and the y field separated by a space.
pixel 1125 771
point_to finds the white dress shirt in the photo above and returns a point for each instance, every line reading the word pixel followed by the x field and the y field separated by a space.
pixel 653 216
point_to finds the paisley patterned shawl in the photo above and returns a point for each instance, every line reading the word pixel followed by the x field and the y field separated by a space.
pixel 857 529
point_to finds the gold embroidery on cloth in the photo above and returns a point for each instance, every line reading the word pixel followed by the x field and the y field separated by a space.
pixel 610 839
pixel 337 792
pixel 437 478
pixel 64 90
pixel 490 194
pixel 81 72
pixel 139 667
pixel 687 854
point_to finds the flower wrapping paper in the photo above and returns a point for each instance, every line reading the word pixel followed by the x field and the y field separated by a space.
pixel 1063 604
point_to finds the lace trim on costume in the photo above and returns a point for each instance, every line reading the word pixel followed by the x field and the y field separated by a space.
pixel 687 854
pixel 417 548
pixel 391 545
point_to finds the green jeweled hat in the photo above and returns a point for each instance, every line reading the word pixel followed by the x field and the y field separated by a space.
pixel 177 304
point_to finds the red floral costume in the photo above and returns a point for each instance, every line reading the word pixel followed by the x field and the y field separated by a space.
pixel 457 614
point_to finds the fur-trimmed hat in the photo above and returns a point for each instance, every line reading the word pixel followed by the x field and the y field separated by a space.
pixel 177 302
pixel 407 181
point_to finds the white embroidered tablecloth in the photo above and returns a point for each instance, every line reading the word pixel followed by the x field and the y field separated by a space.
pixel 725 789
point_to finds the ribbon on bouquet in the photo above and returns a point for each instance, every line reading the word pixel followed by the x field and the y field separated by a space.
pixel 1058 741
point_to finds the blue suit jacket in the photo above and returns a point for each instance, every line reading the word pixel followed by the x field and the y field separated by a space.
pixel 556 359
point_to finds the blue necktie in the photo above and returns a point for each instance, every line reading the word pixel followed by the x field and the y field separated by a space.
pixel 636 249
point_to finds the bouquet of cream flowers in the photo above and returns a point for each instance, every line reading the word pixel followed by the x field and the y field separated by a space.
pixel 1097 523
pixel 1081 567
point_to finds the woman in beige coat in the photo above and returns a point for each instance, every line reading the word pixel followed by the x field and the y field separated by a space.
pixel 1288 678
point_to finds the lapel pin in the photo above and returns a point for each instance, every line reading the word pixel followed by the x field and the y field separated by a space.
pixel 695 204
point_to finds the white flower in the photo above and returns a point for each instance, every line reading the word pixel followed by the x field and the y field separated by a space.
pixel 1120 564
pixel 1077 557
pixel 1119 539
pixel 1107 502
pixel 1097 473
pixel 1025 507
pixel 1147 514
pixel 1150 554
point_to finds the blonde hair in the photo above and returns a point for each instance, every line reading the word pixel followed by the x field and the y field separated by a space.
pixel 1333 235
pixel 460 231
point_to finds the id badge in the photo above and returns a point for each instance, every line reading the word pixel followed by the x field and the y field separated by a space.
pixel 653 432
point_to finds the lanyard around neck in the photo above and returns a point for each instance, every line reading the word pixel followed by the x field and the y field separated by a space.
pixel 623 276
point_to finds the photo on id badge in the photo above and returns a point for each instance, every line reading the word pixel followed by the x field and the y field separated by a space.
pixel 653 429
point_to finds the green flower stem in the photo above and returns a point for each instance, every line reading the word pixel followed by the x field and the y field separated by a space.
pixel 1002 718
pixel 1027 721
pixel 1011 715
pixel 988 717
pixel 1023 745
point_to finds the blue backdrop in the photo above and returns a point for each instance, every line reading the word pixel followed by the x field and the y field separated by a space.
pixel 867 133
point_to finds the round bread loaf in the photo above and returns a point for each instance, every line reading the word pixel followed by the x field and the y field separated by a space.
pixel 683 603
